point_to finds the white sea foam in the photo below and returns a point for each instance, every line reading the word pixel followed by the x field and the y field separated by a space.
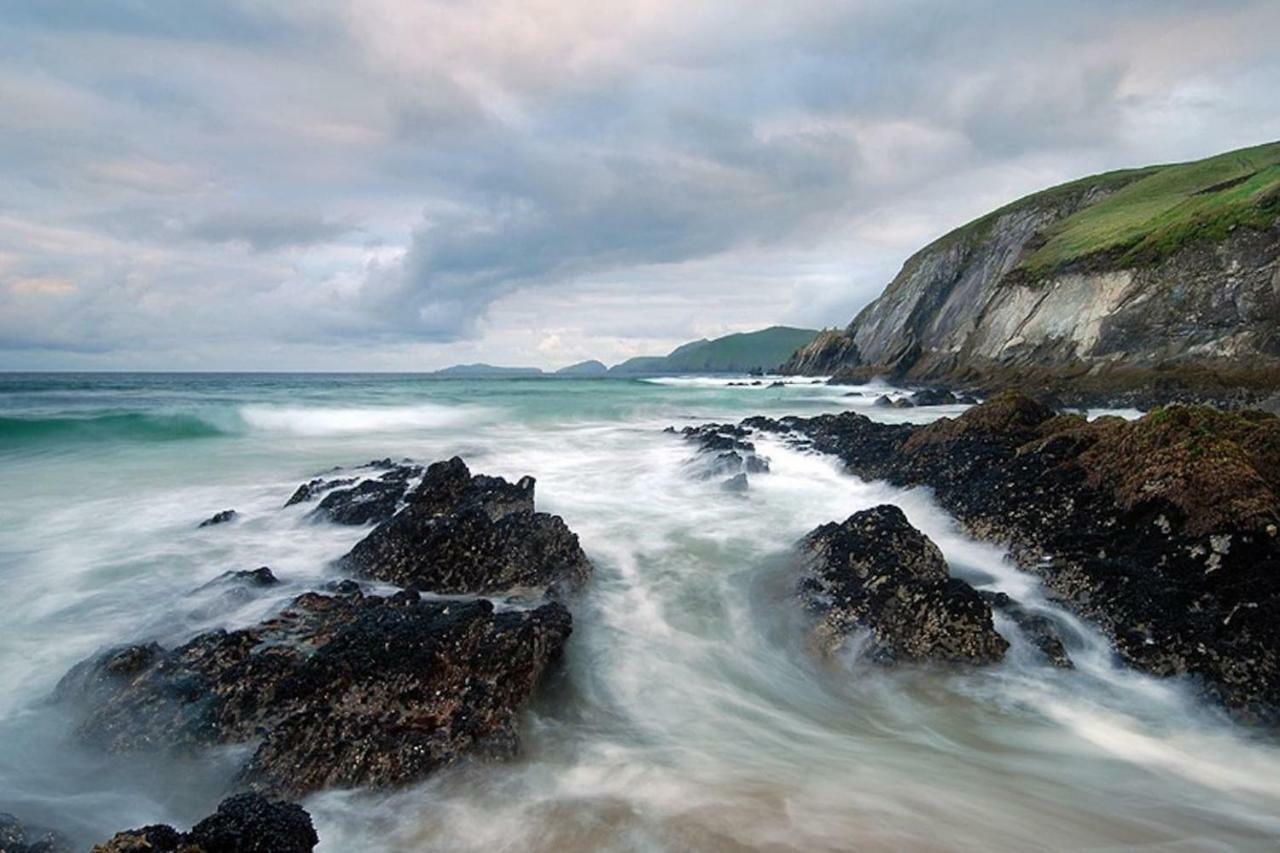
pixel 690 713
pixel 326 421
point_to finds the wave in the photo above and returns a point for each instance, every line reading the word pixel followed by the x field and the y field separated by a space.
pixel 124 426
pixel 315 421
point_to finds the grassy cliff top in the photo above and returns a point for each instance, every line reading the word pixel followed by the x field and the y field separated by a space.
pixel 1147 214
pixel 1168 207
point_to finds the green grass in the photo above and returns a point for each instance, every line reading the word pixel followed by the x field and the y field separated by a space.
pixel 1166 208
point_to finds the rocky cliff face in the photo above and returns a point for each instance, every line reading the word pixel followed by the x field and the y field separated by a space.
pixel 980 304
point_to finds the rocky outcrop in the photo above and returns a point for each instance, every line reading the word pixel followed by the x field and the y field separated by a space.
pixel 726 454
pixel 1165 531
pixel 361 499
pixel 464 533
pixel 247 823
pixel 1102 286
pixel 344 689
pixel 874 572
pixel 222 517
pixel 339 690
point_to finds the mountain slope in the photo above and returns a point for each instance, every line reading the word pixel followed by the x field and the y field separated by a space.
pixel 584 368
pixel 1112 280
pixel 737 353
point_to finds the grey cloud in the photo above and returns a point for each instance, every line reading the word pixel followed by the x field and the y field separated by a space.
pixel 617 168
pixel 264 232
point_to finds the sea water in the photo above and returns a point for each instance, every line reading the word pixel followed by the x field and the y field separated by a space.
pixel 689 714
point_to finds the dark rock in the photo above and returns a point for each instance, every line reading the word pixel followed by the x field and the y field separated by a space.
pixel 1164 532
pixel 903 403
pixel 461 533
pixel 246 823
pixel 219 518
pixel 261 576
pixel 882 401
pixel 17 838
pixel 777 385
pixel 1041 630
pixel 966 400
pixel 366 502
pixel 360 500
pixel 736 483
pixel 338 691
pixel 876 572
pixel 933 397
pixel 312 489
pixel 736 453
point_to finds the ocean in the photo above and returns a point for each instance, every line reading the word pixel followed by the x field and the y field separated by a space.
pixel 689 714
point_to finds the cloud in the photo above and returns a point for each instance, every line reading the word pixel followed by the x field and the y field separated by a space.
pixel 338 184
pixel 264 232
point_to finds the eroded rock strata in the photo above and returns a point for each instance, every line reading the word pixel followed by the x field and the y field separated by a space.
pixel 1162 531
pixel 876 573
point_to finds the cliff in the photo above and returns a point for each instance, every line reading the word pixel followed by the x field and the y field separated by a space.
pixel 1167 274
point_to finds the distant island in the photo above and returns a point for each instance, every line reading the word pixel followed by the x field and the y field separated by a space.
pixel 744 352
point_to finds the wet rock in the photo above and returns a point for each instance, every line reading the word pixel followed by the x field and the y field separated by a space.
pixel 933 397
pixel 734 452
pixel 312 489
pixel 219 518
pixel 364 503
pixel 1039 629
pixel 359 500
pixel 903 403
pixel 259 577
pixel 337 691
pixel 737 483
pixel 777 385
pixel 883 401
pixel 966 400
pixel 464 533
pixel 18 838
pixel 875 572
pixel 1161 531
pixel 246 823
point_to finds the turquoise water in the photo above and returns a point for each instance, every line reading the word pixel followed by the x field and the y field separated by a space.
pixel 690 714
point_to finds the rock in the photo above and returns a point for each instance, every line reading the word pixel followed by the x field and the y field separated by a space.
pixel 1040 630
pixel 337 691
pixel 967 400
pixel 777 385
pixel 933 397
pixel 903 403
pixel 736 453
pixel 359 500
pixel 246 823
pixel 736 483
pixel 18 838
pixel 261 577
pixel 219 518
pixel 463 533
pixel 1156 530
pixel 876 572
pixel 312 489
pixel 366 502
pixel 1179 303
pixel 882 401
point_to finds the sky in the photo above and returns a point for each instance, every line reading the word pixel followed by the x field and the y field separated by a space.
pixel 407 184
